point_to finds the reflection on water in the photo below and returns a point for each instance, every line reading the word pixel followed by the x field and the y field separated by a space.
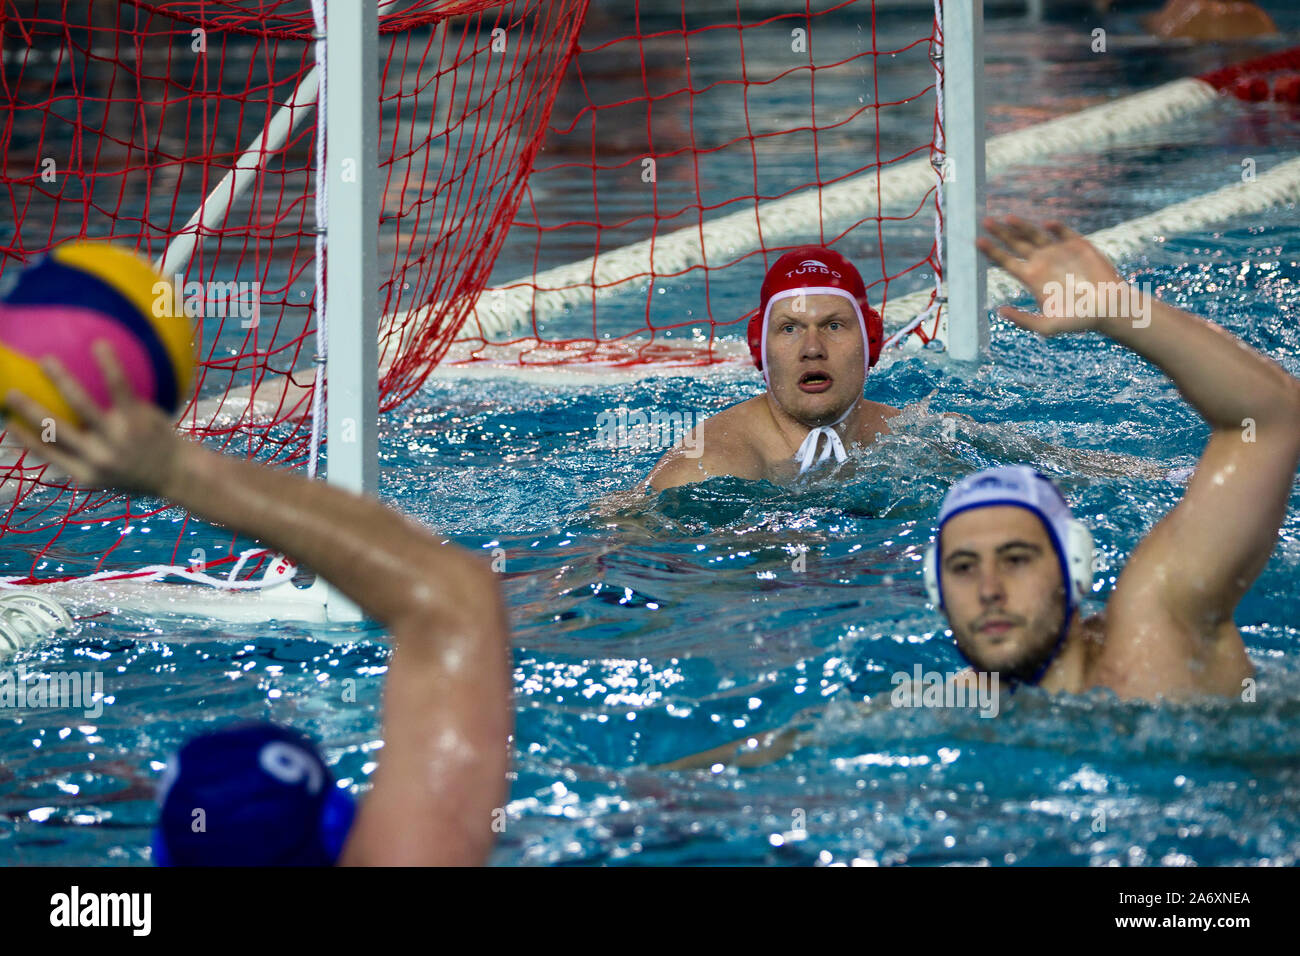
pixel 650 629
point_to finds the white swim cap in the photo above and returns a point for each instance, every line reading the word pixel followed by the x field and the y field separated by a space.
pixel 1022 487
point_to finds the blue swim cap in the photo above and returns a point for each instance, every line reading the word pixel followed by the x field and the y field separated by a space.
pixel 252 795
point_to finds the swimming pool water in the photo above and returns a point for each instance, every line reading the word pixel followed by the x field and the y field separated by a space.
pixel 645 630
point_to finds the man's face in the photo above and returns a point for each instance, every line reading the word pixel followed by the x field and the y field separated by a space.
pixel 815 366
pixel 1002 589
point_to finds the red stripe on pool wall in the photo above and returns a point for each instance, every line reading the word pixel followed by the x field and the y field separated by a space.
pixel 1222 79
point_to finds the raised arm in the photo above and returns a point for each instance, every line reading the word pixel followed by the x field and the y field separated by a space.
pixel 1176 597
pixel 447 712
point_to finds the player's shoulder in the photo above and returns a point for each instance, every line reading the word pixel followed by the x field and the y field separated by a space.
pixel 719 445
pixel 739 418
pixel 732 439
pixel 733 431
pixel 875 421
pixel 880 411
pixel 1139 649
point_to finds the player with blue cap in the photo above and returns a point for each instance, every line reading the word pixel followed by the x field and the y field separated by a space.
pixel 259 795
pixel 251 795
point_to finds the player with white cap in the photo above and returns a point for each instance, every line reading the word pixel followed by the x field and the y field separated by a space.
pixel 1010 565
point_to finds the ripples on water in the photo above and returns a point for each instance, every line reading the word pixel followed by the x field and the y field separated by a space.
pixel 644 631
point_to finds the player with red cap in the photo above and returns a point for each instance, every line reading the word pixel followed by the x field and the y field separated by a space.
pixel 815 338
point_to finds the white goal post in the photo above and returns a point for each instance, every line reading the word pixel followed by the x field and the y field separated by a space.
pixel 962 102
pixel 350 185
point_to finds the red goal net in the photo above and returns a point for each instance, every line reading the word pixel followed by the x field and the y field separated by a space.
pixel 685 156
pixel 600 184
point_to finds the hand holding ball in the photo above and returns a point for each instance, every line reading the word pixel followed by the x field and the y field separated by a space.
pixel 81 293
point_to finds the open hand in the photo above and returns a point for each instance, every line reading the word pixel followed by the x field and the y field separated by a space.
pixel 131 446
pixel 1069 278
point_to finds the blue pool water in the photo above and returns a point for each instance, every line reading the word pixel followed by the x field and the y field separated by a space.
pixel 646 630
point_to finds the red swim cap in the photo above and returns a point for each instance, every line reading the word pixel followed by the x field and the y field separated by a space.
pixel 814 270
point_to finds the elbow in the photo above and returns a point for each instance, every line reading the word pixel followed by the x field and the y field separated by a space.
pixel 462 595
pixel 1275 413
pixel 1287 403
pixel 1289 415
pixel 1293 405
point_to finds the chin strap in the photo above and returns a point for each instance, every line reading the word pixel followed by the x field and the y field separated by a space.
pixel 1060 642
pixel 808 449
pixel 834 445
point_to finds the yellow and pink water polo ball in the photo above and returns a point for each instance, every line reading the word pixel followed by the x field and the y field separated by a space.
pixel 82 292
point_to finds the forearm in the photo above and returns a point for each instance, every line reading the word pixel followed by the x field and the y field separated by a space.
pixel 1224 379
pixel 389 565
pixel 756 750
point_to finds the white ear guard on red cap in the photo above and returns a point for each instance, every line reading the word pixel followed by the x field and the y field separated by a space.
pixel 1019 486
pixel 815 290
